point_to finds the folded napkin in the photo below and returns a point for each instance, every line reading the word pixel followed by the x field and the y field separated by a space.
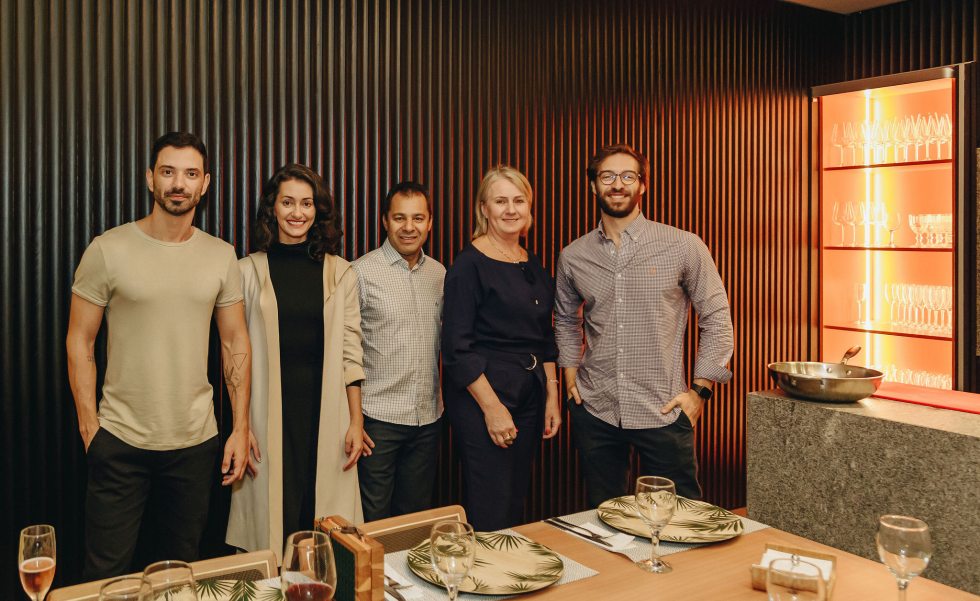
pixel 618 540
pixel 409 592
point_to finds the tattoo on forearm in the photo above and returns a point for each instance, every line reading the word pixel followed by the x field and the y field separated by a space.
pixel 233 370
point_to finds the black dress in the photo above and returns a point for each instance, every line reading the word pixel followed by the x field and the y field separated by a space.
pixel 496 322
pixel 298 283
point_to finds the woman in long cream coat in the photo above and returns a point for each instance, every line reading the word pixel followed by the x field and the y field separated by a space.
pixel 297 199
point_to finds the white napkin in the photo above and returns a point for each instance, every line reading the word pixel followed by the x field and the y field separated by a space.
pixel 619 541
pixel 269 582
pixel 823 565
pixel 410 592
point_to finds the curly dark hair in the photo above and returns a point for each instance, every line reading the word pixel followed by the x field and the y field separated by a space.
pixel 325 234
pixel 592 171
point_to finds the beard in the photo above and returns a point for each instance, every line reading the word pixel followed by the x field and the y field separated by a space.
pixel 626 211
pixel 173 208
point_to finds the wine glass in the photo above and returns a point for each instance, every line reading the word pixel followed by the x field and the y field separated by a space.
pixel 837 218
pixel 308 569
pixel 656 499
pixel 892 223
pixel 862 294
pixel 36 560
pixel 904 547
pixel 126 588
pixel 452 547
pixel 835 141
pixel 849 217
pixel 171 581
pixel 789 579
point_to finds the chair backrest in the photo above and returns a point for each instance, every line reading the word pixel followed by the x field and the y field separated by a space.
pixel 257 565
pixel 405 531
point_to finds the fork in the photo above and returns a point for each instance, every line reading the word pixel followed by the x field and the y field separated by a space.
pixel 394 583
pixel 580 531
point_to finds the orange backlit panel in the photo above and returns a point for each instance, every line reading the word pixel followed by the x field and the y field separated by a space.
pixel 887 247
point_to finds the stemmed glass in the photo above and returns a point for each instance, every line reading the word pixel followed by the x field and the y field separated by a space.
pixel 892 223
pixel 837 218
pixel 862 294
pixel 656 500
pixel 849 139
pixel 308 569
pixel 126 588
pixel 452 547
pixel 171 581
pixel 794 580
pixel 915 224
pixel 835 141
pixel 850 218
pixel 36 560
pixel 945 134
pixel 904 547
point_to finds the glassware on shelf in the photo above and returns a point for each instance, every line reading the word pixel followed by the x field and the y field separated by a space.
pixel 836 142
pixel 862 293
pixel 945 134
pixel 921 308
pixel 849 217
pixel 915 224
pixel 837 218
pixel 892 223
pixel 918 377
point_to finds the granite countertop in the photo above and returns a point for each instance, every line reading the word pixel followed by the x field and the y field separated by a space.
pixel 947 420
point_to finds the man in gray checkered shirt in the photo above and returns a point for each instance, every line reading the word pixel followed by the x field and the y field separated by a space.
pixel 401 320
pixel 624 290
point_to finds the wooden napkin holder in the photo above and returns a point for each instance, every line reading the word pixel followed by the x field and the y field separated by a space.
pixel 759 572
pixel 360 561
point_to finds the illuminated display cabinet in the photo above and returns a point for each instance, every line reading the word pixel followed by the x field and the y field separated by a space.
pixel 896 207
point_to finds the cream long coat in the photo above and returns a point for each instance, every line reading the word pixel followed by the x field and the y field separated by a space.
pixel 255 519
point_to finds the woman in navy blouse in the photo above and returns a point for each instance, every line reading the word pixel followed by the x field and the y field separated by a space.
pixel 498 353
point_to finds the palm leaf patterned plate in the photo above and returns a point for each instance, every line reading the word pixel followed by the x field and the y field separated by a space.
pixel 693 521
pixel 505 564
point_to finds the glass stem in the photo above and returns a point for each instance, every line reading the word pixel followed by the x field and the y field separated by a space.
pixel 452 590
pixel 655 548
pixel 903 586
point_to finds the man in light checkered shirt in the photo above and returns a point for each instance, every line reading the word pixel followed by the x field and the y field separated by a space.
pixel 624 291
pixel 401 319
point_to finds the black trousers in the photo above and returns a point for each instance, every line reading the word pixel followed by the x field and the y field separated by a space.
pixel 122 479
pixel 399 476
pixel 496 480
pixel 604 454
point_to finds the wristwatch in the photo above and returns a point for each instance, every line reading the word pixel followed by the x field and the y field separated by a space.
pixel 703 391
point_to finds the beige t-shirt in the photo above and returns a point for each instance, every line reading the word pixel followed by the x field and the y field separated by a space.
pixel 158 298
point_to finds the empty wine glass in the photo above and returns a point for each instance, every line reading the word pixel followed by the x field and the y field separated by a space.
pixel 849 217
pixel 945 133
pixel 862 293
pixel 452 547
pixel 171 581
pixel 835 141
pixel 36 560
pixel 836 217
pixel 789 579
pixel 656 500
pixel 126 588
pixel 915 224
pixel 849 139
pixel 308 569
pixel 904 547
pixel 893 221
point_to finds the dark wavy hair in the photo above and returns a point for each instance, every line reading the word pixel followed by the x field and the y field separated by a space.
pixel 325 235
pixel 592 171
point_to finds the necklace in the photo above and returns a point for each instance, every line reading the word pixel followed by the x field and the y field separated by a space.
pixel 509 256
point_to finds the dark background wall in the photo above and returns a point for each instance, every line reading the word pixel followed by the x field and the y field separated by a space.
pixel 372 91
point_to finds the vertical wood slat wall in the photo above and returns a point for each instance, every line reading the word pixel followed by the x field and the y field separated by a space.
pixel 369 92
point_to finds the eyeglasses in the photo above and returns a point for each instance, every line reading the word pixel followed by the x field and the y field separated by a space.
pixel 627 177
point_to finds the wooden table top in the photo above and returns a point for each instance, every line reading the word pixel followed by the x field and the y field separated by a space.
pixel 717 571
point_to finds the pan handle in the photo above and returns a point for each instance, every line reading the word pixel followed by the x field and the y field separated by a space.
pixel 854 350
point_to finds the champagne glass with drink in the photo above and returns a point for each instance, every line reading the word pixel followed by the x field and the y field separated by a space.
pixel 308 569
pixel 36 560
pixel 656 500
pixel 905 548
pixel 452 546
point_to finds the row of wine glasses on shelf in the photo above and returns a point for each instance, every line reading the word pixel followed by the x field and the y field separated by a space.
pixel 878 138
pixel 931 230
pixel 916 307
pixel 917 377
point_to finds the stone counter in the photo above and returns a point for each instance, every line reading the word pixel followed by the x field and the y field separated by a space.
pixel 826 471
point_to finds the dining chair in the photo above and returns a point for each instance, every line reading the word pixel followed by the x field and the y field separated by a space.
pixel 256 565
pixel 405 531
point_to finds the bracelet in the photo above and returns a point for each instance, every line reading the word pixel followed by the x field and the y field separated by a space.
pixel 550 381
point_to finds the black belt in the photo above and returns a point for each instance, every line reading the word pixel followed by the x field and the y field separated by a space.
pixel 528 361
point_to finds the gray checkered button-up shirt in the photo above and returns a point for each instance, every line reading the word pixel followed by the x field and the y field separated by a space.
pixel 401 318
pixel 633 302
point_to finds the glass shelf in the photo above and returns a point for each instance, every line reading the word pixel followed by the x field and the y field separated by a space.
pixel 887 165
pixel 918 249
pixel 887 330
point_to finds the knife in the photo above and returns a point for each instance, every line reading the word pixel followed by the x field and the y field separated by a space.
pixel 394 593
pixel 577 530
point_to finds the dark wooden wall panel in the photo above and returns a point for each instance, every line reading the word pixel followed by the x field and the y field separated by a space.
pixel 372 91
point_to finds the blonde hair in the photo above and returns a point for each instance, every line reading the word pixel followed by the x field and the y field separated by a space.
pixel 492 175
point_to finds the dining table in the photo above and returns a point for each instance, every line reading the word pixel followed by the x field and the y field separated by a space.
pixel 716 571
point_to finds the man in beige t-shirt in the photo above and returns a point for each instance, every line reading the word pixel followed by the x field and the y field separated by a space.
pixel 157 281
